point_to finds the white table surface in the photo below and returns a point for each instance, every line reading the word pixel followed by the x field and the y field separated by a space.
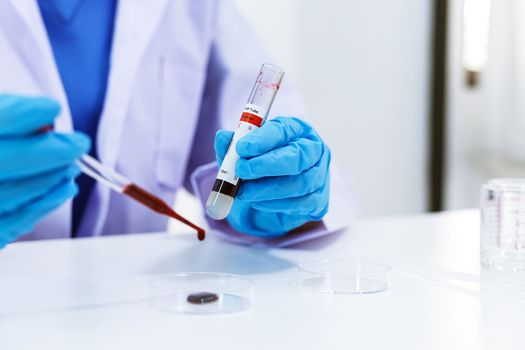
pixel 90 293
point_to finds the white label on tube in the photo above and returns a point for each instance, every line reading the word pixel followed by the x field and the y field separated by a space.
pixel 251 119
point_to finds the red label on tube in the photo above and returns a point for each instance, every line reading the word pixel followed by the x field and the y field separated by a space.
pixel 252 119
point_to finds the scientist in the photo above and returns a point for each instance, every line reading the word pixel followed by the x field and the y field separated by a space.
pixel 146 85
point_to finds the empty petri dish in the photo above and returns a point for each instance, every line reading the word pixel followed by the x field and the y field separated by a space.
pixel 344 276
pixel 201 293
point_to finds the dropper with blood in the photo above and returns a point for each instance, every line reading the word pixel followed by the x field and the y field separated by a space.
pixel 117 182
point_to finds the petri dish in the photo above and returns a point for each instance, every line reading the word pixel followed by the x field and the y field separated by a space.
pixel 344 276
pixel 201 293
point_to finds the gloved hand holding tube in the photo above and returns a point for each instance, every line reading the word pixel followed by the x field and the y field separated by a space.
pixel 284 167
pixel 37 171
pixel 285 170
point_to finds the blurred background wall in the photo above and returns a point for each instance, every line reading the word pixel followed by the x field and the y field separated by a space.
pixel 363 68
pixel 486 121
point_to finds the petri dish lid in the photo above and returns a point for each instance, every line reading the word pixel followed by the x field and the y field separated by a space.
pixel 344 276
pixel 201 293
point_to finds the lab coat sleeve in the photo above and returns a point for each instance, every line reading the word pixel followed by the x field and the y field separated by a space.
pixel 236 55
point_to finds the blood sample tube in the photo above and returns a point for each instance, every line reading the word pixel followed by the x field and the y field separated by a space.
pixel 227 183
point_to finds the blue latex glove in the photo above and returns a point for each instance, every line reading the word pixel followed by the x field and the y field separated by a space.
pixel 36 170
pixel 285 168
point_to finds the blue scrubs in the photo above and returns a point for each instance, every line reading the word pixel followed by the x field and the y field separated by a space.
pixel 80 32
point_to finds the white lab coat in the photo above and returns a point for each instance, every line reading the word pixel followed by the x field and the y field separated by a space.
pixel 180 69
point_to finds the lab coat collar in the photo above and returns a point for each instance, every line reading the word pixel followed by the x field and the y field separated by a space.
pixel 135 25
pixel 31 40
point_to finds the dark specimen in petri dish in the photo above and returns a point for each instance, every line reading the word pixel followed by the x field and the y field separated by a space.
pixel 202 298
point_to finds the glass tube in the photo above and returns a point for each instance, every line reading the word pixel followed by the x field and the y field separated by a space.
pixel 227 183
